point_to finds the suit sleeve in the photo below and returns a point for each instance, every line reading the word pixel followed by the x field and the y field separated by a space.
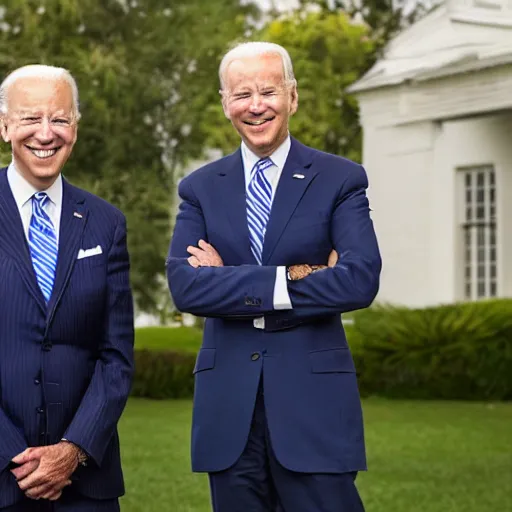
pixel 105 398
pixel 354 281
pixel 245 291
pixel 12 442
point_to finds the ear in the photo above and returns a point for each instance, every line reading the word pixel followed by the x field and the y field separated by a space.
pixel 225 107
pixel 294 100
pixel 4 131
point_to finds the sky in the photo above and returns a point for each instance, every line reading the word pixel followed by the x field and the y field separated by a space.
pixel 280 4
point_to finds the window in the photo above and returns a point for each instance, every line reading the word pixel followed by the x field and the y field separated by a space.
pixel 479 232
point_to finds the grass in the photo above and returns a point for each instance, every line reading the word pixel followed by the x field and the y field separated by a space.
pixel 423 457
pixel 177 338
pixel 168 338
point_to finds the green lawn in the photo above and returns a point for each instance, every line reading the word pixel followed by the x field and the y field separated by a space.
pixel 423 457
pixel 168 338
pixel 177 338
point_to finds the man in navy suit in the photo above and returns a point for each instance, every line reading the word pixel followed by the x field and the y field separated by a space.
pixel 66 313
pixel 277 419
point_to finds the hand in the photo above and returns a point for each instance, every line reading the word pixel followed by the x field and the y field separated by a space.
pixel 296 272
pixel 55 496
pixel 333 258
pixel 55 464
pixel 204 256
pixel 301 271
pixel 25 469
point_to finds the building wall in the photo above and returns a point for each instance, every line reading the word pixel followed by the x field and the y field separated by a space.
pixel 398 161
pixel 413 194
pixel 465 143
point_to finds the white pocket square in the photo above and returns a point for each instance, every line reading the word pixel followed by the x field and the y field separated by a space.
pixel 89 252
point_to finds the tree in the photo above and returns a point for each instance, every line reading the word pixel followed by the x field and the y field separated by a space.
pixel 329 53
pixel 145 70
pixel 384 17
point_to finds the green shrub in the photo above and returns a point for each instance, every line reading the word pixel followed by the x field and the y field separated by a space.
pixel 163 374
pixel 460 351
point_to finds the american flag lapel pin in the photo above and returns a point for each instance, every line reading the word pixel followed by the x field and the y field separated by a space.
pixel 77 215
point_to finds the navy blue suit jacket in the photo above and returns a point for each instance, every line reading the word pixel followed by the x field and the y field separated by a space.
pixel 311 397
pixel 65 367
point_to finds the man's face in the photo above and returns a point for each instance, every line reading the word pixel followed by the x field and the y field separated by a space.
pixel 41 127
pixel 258 102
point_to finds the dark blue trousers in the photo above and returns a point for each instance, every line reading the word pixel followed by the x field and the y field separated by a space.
pixel 68 502
pixel 259 483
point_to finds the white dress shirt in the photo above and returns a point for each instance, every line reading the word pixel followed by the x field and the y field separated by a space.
pixel 272 173
pixel 23 191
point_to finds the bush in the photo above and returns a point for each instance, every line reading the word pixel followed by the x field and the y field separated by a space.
pixel 460 351
pixel 160 374
pixel 164 361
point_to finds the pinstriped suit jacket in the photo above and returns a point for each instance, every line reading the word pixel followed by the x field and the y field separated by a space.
pixel 66 366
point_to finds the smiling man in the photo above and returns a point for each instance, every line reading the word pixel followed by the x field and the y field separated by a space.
pixel 277 417
pixel 66 314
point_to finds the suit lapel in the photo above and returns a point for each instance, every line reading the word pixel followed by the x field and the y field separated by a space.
pixel 13 241
pixel 72 223
pixel 294 181
pixel 233 203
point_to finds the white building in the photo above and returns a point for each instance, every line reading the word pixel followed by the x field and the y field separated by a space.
pixel 436 113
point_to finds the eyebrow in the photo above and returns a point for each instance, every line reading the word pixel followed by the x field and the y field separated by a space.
pixel 25 112
pixel 60 113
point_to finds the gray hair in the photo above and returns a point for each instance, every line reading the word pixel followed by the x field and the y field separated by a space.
pixel 255 49
pixel 39 71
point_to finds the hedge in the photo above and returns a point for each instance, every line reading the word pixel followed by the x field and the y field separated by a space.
pixel 163 374
pixel 460 351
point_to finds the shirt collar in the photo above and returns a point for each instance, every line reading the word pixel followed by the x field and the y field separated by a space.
pixel 278 157
pixel 23 191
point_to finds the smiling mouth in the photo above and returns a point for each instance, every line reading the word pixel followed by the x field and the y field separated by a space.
pixel 43 153
pixel 259 122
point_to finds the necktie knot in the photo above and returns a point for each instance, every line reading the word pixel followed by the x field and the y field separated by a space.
pixel 262 164
pixel 40 198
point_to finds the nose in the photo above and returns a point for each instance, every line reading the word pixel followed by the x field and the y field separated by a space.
pixel 45 132
pixel 257 106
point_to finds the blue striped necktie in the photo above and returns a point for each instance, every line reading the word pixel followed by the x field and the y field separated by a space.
pixel 259 203
pixel 43 244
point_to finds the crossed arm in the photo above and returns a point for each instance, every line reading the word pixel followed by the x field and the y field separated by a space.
pixel 205 255
pixel 201 285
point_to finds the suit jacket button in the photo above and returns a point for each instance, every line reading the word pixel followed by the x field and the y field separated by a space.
pixel 37 382
pixel 47 347
pixel 255 356
pixel 40 410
